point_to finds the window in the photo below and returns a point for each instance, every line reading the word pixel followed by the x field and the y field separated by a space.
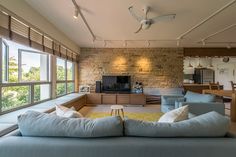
pixel 33 66
pixel 15 96
pixel 61 69
pixel 5 62
pixel 65 77
pixel 25 76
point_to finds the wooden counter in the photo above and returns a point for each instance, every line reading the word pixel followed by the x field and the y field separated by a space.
pixel 198 88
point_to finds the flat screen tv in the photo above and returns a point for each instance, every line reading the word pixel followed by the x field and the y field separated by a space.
pixel 116 84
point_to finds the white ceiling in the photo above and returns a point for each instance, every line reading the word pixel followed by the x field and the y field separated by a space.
pixel 110 20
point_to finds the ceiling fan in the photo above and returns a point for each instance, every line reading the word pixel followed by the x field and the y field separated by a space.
pixel 146 22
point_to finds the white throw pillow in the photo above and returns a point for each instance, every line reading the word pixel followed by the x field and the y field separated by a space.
pixel 175 115
pixel 63 111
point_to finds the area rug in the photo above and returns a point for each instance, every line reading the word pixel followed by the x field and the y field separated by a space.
pixel 145 116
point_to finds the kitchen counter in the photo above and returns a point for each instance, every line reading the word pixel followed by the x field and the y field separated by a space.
pixel 198 88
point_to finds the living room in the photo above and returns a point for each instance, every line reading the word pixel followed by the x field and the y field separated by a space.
pixel 117 78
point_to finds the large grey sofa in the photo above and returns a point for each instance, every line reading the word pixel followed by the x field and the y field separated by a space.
pixel 117 147
pixel 128 138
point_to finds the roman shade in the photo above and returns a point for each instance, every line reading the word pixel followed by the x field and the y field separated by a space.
pixel 19 31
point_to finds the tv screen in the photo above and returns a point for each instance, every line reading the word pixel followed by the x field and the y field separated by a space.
pixel 116 84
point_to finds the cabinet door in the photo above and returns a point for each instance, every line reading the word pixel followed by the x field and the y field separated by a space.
pixel 109 99
pixel 137 99
pixel 123 99
pixel 93 99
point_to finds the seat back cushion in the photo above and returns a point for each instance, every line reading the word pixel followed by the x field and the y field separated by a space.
pixel 196 97
pixel 211 124
pixel 175 115
pixel 42 124
pixel 63 111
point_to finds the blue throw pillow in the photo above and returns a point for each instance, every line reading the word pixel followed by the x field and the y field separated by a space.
pixel 211 124
pixel 42 124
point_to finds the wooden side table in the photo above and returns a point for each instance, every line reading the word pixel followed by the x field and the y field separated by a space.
pixel 117 110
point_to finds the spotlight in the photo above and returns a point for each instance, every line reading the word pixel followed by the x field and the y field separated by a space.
pixel 148 43
pixel 203 42
pixel 105 43
pixel 76 13
pixel 178 42
pixel 125 43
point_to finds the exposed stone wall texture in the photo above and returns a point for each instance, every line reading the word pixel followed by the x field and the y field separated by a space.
pixel 154 67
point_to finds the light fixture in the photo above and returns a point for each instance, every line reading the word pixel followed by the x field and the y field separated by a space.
pixel 203 42
pixel 105 43
pixel 189 63
pixel 125 43
pixel 211 65
pixel 178 42
pixel 76 13
pixel 199 64
pixel 148 43
pixel 228 46
pixel 93 42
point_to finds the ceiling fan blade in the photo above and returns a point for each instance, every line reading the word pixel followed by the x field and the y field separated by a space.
pixel 139 29
pixel 166 17
pixel 131 10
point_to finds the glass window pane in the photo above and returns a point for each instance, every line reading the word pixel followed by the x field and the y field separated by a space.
pixel 61 69
pixel 70 70
pixel 15 96
pixel 41 92
pixel 70 87
pixel 34 66
pixel 13 59
pixel 61 89
pixel 4 62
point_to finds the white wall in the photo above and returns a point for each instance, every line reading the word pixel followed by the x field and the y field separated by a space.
pixel 23 10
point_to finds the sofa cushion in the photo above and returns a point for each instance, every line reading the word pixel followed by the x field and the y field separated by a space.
pixel 42 124
pixel 170 99
pixel 63 111
pixel 196 97
pixel 175 115
pixel 211 124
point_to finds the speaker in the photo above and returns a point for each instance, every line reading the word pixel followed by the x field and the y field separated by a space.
pixel 98 87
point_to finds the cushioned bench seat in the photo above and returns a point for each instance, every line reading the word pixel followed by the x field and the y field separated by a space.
pixel 8 122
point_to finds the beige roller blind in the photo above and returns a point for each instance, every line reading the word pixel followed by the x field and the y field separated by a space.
pixel 36 39
pixel 4 20
pixel 20 31
pixel 69 55
pixel 56 49
pixel 48 44
pixel 63 52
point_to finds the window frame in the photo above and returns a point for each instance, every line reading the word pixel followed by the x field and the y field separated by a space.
pixel 66 81
pixel 31 84
pixel 20 51
pixel 6 61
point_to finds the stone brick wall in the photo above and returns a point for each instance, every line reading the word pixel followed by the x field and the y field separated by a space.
pixel 154 67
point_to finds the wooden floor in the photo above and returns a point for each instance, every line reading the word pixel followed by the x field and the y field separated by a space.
pixel 148 108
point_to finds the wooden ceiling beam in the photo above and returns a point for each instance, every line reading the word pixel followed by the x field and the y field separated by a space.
pixel 209 52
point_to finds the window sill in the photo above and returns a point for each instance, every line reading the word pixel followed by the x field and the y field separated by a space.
pixel 8 122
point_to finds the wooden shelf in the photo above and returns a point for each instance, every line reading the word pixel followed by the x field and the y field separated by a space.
pixel 123 99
